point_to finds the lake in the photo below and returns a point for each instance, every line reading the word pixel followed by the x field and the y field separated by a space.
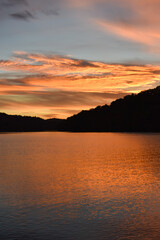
pixel 79 186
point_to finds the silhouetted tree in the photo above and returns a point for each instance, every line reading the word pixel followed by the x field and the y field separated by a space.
pixel 133 113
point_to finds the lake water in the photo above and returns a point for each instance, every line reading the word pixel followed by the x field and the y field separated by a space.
pixel 79 186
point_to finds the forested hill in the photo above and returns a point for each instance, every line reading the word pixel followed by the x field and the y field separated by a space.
pixel 16 123
pixel 133 113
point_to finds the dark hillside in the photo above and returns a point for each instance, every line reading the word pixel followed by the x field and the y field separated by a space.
pixel 136 112
pixel 133 113
pixel 16 123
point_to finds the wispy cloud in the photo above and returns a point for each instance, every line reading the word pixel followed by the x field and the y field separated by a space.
pixel 135 21
pixel 26 9
pixel 148 37
pixel 60 82
pixel 12 3
pixel 25 15
pixel 83 74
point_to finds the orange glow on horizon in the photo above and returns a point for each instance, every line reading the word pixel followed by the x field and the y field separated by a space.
pixel 42 82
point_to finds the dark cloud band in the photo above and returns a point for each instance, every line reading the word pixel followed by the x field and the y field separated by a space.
pixel 26 15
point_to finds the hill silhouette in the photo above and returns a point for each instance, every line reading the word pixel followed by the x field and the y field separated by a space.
pixel 16 123
pixel 133 113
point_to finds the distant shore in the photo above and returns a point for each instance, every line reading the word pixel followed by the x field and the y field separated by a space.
pixel 133 113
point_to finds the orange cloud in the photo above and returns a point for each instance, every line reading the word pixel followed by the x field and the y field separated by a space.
pixel 137 21
pixel 144 36
pixel 67 73
pixel 36 83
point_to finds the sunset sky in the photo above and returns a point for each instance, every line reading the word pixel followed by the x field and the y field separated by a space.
pixel 58 57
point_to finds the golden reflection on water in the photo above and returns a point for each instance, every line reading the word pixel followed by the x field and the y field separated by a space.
pixel 110 173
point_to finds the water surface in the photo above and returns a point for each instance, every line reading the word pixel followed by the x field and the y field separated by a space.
pixel 79 186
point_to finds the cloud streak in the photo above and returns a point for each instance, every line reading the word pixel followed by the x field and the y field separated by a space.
pixel 12 3
pixel 22 15
pixel 54 103
pixel 27 10
pixel 39 82
pixel 135 21
pixel 53 69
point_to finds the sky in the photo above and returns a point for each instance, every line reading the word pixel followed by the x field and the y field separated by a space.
pixel 58 57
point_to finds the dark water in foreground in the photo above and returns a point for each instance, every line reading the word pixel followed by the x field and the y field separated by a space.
pixel 79 186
